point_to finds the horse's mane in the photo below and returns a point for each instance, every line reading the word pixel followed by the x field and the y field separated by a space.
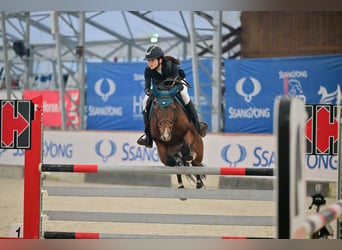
pixel 172 59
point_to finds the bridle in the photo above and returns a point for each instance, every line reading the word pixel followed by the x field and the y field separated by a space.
pixel 167 98
pixel 170 122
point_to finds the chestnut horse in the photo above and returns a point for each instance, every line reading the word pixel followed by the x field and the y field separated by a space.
pixel 178 142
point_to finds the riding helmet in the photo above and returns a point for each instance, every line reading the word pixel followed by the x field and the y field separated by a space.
pixel 154 52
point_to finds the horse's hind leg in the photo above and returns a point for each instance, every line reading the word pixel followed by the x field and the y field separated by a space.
pixel 199 179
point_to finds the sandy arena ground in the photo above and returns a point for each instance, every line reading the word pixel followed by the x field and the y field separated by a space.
pixel 11 211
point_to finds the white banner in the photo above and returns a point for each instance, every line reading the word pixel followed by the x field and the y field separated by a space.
pixel 115 148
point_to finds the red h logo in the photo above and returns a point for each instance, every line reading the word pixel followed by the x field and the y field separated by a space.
pixel 322 129
pixel 15 130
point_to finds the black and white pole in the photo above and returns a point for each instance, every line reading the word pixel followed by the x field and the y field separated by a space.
pixel 289 117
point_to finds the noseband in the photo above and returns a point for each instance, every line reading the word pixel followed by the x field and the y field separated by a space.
pixel 165 121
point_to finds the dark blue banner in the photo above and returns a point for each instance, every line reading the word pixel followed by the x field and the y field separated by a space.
pixel 253 84
pixel 115 92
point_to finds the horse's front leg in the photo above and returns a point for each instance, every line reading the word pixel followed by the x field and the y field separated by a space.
pixel 199 182
pixel 170 160
pixel 180 181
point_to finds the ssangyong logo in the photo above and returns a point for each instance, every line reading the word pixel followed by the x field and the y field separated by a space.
pixel 111 88
pixel 248 89
pixel 248 96
pixel 105 150
pixel 233 154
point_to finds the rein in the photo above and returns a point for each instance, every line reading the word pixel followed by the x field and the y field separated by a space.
pixel 174 81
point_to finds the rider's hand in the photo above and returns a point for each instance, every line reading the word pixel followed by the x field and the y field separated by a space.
pixel 148 91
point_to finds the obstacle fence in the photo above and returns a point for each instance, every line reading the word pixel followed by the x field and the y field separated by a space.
pixel 204 170
pixel 290 220
pixel 160 218
pixel 156 193
pixel 92 235
pixel 160 193
pixel 144 192
pixel 317 221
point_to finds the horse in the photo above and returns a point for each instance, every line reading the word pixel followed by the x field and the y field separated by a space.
pixel 178 142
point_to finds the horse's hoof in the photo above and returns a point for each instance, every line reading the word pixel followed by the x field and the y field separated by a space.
pixel 200 185
pixel 182 198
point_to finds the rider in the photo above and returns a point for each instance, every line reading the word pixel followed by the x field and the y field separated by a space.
pixel 159 68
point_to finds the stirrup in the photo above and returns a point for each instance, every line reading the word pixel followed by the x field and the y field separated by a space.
pixel 203 129
pixel 143 141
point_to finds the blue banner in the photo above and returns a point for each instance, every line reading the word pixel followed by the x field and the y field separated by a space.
pixel 253 84
pixel 114 96
pixel 115 92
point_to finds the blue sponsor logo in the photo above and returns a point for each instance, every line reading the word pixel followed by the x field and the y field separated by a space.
pixel 57 150
pixel 137 153
pixel 105 151
pixel 111 87
pixel 321 162
pixel 266 158
pixel 263 158
pixel 253 86
pixel 248 88
pixel 233 154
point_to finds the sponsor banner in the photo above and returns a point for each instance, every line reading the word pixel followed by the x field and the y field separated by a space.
pixel 115 92
pixel 253 84
pixel 321 134
pixel 52 106
pixel 121 149
pixel 15 119
pixel 114 96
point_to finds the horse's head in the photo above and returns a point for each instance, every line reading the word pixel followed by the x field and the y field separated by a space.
pixel 164 106
pixel 164 110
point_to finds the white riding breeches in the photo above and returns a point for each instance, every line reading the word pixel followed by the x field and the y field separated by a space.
pixel 184 94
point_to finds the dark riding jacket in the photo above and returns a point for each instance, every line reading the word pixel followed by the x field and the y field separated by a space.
pixel 170 69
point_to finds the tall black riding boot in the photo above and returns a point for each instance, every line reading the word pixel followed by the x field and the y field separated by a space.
pixel 145 139
pixel 201 127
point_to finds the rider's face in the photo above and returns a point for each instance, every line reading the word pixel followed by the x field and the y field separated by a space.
pixel 153 63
